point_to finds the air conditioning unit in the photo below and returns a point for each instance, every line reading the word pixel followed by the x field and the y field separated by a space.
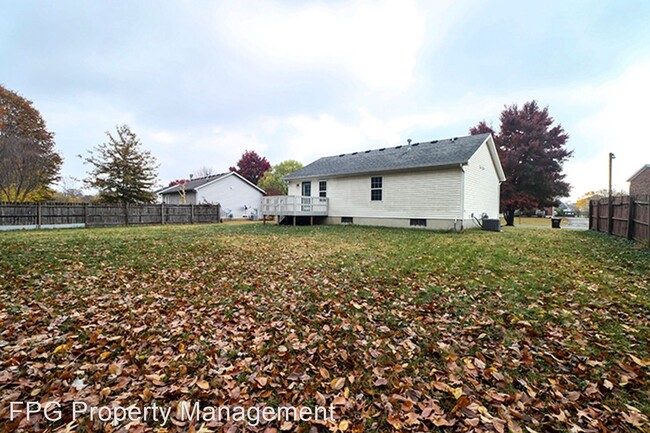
pixel 493 225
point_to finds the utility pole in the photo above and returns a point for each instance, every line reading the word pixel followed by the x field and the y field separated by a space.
pixel 610 207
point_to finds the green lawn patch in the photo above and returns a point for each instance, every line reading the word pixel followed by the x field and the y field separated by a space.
pixel 406 330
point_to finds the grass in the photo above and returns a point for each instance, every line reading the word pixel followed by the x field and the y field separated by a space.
pixel 546 329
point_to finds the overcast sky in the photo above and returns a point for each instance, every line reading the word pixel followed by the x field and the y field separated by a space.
pixel 201 82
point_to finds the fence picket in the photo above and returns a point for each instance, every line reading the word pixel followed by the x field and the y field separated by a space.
pixel 632 211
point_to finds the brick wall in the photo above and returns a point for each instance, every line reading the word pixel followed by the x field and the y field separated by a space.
pixel 641 184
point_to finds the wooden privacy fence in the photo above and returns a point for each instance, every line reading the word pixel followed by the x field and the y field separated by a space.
pixel 62 215
pixel 628 218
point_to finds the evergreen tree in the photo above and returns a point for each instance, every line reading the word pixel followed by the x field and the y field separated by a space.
pixel 122 171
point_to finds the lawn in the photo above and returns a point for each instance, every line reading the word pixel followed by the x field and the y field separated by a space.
pixel 407 330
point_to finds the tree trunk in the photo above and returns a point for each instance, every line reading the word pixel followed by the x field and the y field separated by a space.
pixel 509 215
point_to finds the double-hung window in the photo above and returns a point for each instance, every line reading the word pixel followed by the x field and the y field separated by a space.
pixel 376 185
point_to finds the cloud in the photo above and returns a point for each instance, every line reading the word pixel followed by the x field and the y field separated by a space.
pixel 182 152
pixel 376 42
pixel 307 137
pixel 619 112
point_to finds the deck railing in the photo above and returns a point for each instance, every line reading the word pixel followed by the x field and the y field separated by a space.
pixel 293 205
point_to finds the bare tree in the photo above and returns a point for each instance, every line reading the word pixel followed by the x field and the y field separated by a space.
pixel 69 191
pixel 204 171
pixel 24 169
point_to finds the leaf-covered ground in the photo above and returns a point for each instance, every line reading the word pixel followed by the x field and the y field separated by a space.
pixel 407 330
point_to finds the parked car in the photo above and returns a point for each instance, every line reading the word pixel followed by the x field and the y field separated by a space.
pixel 569 213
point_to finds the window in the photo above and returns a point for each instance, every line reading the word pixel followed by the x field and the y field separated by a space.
pixel 375 188
pixel 346 220
pixel 418 222
pixel 322 188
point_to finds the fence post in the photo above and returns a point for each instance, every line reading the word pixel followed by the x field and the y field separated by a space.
pixel 86 214
pixel 191 213
pixel 610 215
pixel 39 215
pixel 126 213
pixel 647 203
pixel 591 210
pixel 630 217
pixel 162 213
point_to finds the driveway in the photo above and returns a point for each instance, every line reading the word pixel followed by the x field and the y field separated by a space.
pixel 576 223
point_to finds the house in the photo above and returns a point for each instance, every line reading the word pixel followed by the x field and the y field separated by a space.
pixel 441 185
pixel 238 197
pixel 640 182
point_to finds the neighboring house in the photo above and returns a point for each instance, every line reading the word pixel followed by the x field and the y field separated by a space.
pixel 640 182
pixel 238 197
pixel 441 184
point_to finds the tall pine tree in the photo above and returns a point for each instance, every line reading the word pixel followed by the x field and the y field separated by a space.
pixel 532 151
pixel 122 171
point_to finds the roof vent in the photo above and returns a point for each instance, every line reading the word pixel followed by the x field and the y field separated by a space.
pixel 343 154
pixel 453 139
pixel 398 147
pixel 354 153
pixel 382 149
pixel 367 151
pixel 434 141
pixel 415 144
pixel 191 176
pixel 408 141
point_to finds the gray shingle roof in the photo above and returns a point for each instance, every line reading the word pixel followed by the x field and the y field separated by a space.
pixel 192 184
pixel 436 153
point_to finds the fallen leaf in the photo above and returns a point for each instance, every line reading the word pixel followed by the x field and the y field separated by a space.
pixel 337 383
pixel 462 402
pixel 645 362
pixel 456 392
pixel 513 427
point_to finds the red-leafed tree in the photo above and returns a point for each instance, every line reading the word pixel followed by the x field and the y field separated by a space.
pixel 532 151
pixel 252 166
pixel 177 182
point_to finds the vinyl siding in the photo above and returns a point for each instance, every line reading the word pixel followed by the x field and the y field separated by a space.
pixel 431 194
pixel 232 193
pixel 481 185
pixel 175 198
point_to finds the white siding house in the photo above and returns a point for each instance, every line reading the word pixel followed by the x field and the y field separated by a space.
pixel 238 197
pixel 442 185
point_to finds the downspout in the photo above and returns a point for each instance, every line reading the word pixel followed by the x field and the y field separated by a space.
pixel 462 198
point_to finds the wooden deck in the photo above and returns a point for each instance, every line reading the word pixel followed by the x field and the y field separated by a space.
pixel 292 205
